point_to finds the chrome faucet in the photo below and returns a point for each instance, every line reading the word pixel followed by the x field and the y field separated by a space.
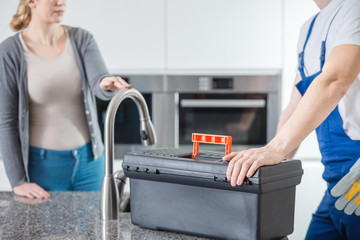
pixel 109 196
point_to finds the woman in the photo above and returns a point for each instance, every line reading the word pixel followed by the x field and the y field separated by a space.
pixel 49 134
pixel 325 96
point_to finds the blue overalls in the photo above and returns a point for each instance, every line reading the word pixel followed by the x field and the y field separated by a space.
pixel 339 153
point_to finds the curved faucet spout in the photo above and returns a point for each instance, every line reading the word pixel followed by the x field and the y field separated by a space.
pixel 109 199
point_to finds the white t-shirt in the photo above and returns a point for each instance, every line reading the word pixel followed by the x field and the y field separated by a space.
pixel 345 29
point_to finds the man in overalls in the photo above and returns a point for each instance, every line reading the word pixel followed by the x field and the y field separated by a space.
pixel 325 97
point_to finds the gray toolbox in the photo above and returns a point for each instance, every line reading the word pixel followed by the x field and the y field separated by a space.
pixel 171 191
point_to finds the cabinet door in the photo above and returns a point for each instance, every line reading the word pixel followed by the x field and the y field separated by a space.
pixel 7 10
pixel 308 197
pixel 4 181
pixel 296 12
pixel 130 33
pixel 235 34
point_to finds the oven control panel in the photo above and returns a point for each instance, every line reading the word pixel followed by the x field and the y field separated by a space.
pixel 207 83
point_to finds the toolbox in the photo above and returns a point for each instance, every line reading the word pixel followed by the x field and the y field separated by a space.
pixel 188 192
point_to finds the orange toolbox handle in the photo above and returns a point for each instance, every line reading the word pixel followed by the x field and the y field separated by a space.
pixel 213 139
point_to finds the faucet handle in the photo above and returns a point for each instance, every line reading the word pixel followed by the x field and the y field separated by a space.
pixel 143 135
pixel 147 132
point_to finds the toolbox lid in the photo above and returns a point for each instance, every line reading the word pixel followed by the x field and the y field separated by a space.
pixel 206 170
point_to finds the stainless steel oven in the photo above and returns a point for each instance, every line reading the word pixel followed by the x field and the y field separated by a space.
pixel 245 107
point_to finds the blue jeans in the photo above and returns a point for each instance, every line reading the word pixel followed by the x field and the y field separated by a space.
pixel 75 170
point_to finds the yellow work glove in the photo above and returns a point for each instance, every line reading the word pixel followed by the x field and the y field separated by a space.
pixel 348 189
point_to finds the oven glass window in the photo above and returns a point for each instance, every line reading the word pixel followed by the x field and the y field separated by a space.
pixel 242 116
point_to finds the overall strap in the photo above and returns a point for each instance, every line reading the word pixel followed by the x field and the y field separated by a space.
pixel 301 54
pixel 310 30
pixel 323 44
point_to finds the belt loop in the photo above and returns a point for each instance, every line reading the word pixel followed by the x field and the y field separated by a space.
pixel 43 153
pixel 322 54
pixel 301 60
pixel 75 152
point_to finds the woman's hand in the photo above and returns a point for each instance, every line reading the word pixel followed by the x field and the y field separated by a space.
pixel 31 190
pixel 25 200
pixel 245 163
pixel 114 84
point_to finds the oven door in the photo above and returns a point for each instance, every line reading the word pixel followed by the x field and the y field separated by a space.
pixel 242 116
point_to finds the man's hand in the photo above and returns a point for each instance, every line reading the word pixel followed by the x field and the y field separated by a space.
pixel 114 84
pixel 245 163
pixel 31 190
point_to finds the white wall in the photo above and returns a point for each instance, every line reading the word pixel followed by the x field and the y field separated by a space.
pixel 4 182
pixel 296 12
pixel 308 196
pixel 7 9
pixel 310 192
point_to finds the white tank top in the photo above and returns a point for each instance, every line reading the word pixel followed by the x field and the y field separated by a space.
pixel 57 112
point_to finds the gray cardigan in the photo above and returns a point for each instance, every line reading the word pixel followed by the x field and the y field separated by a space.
pixel 14 101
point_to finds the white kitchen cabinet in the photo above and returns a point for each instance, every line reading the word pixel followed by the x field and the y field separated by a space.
pixel 296 12
pixel 130 33
pixel 224 34
pixel 141 36
pixel 312 188
pixel 4 182
pixel 308 197
pixel 7 9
